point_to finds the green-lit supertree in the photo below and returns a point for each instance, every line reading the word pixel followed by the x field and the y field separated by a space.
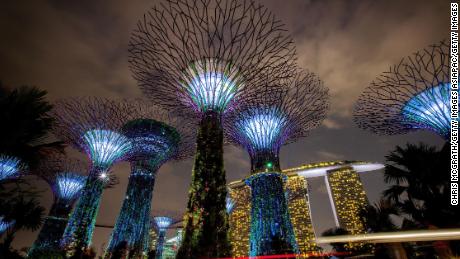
pixel 202 59
pixel 93 125
pixel 66 179
pixel 156 138
pixel 262 126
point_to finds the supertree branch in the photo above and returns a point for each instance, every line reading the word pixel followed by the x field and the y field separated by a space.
pixel 155 141
pixel 93 126
pixel 205 58
pixel 66 179
pixel 412 95
pixel 277 116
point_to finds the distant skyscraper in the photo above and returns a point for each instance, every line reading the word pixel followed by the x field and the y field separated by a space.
pixel 348 196
pixel 299 209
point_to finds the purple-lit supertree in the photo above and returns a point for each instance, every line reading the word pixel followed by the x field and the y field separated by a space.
pixel 156 138
pixel 202 59
pixel 277 117
pixel 162 222
pixel 66 179
pixel 413 95
pixel 92 125
pixel 10 167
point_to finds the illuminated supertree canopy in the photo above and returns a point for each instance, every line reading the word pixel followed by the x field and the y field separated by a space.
pixel 154 142
pixel 415 94
pixel 203 59
pixel 276 117
pixel 229 205
pixel 92 125
pixel 66 179
pixel 4 225
pixel 162 223
pixel 10 167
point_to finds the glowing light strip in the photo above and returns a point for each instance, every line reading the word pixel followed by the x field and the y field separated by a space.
pixel 401 236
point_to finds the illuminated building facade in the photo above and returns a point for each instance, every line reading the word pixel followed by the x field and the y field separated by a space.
pixel 240 219
pixel 299 209
pixel 345 191
pixel 348 197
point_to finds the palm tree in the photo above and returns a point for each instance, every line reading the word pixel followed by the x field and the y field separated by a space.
pixel 25 124
pixel 377 218
pixel 26 213
pixel 421 187
pixel 421 184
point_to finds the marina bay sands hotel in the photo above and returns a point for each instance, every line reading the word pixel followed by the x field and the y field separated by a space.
pixel 346 194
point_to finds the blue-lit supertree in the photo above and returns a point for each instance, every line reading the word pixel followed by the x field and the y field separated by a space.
pixel 66 179
pixel 4 225
pixel 162 223
pixel 93 125
pixel 229 205
pixel 203 64
pixel 10 167
pixel 154 142
pixel 275 118
pixel 413 95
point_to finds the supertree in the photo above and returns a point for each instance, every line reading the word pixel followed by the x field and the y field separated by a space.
pixel 262 127
pixel 162 223
pixel 202 59
pixel 229 204
pixel 66 179
pixel 10 167
pixel 412 95
pixel 156 138
pixel 93 126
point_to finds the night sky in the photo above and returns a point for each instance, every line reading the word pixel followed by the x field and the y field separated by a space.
pixel 79 48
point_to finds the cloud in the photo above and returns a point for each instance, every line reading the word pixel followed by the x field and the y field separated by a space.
pixel 331 124
pixel 326 156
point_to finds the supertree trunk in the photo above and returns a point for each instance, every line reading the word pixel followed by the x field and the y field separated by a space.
pixel 271 231
pixel 79 230
pixel 133 223
pixel 160 244
pixel 52 229
pixel 206 228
